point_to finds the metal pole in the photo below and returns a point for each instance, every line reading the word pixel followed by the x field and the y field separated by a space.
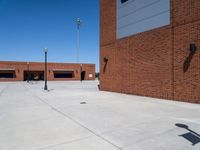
pixel 28 72
pixel 78 43
pixel 78 37
pixel 45 87
pixel 81 72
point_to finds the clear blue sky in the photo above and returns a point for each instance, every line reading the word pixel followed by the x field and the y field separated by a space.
pixel 27 26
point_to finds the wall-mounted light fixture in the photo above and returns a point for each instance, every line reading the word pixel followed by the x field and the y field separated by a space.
pixel 123 1
pixel 105 59
pixel 193 47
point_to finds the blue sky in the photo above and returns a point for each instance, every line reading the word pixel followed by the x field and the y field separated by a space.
pixel 27 26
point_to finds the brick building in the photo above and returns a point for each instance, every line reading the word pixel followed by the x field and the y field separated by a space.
pixel 151 48
pixel 22 71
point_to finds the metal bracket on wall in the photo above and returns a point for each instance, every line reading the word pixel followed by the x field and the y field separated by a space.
pixel 105 61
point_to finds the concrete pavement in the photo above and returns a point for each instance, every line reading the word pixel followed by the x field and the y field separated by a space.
pixel 34 119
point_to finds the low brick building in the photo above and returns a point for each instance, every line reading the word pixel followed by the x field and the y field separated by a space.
pixel 151 48
pixel 22 71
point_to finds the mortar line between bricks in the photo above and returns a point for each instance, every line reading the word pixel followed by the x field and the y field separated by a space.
pixel 189 22
pixel 75 121
pixel 172 52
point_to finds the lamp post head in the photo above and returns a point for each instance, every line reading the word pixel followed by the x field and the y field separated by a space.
pixel 78 21
pixel 45 50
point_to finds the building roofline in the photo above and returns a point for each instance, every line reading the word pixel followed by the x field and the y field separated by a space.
pixel 25 62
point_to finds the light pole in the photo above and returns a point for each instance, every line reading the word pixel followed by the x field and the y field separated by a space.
pixel 45 52
pixel 78 22
pixel 28 72
pixel 81 72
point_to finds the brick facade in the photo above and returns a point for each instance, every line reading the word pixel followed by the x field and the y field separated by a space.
pixel 20 67
pixel 155 63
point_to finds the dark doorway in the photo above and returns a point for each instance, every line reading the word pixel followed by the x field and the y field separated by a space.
pixel 82 75
pixel 63 74
pixel 33 75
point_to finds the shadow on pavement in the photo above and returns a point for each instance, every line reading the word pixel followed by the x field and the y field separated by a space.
pixel 191 136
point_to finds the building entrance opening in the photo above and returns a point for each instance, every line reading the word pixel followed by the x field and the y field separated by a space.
pixel 33 75
pixel 82 75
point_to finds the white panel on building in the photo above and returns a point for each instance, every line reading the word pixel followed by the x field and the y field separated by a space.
pixel 135 16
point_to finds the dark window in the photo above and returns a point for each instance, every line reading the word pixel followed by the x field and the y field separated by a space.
pixel 6 75
pixel 123 1
pixel 65 74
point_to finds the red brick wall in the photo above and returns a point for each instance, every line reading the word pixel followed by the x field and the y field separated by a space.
pixel 108 22
pixel 152 63
pixel 89 71
pixel 187 84
pixel 20 67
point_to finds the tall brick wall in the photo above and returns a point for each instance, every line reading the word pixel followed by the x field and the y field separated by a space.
pixel 153 63
pixel 20 67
